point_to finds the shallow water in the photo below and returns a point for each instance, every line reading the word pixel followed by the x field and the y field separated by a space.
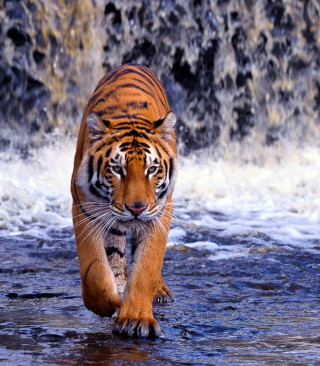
pixel 242 260
pixel 259 308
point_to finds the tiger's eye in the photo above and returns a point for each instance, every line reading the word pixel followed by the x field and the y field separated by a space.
pixel 117 168
pixel 152 169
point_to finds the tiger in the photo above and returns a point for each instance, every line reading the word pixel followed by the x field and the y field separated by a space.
pixel 125 169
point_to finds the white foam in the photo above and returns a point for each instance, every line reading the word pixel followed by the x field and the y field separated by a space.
pixel 219 251
pixel 176 236
pixel 35 193
pixel 279 198
pixel 227 255
pixel 203 245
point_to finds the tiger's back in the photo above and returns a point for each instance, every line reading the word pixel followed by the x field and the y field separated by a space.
pixel 130 92
pixel 123 179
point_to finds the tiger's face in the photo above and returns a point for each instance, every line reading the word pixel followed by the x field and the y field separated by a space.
pixel 130 169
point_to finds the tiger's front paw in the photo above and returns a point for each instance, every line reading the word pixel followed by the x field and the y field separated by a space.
pixel 142 327
pixel 162 294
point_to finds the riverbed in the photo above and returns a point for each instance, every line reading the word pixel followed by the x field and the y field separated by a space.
pixel 261 308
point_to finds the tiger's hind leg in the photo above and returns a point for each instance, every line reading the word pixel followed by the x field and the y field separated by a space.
pixel 162 294
pixel 115 247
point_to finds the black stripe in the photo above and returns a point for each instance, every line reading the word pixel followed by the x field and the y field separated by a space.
pixel 109 76
pixel 105 122
pixel 124 123
pixel 148 130
pixel 135 124
pixel 171 166
pixel 148 77
pixel 144 144
pixel 142 134
pixel 134 86
pixel 121 116
pixel 123 128
pixel 158 123
pixel 111 250
pixel 78 202
pixel 117 232
pixel 142 119
pixel 160 156
pixel 108 152
pixel 101 100
pixel 110 109
pixel 99 166
pixel 166 166
pixel 76 198
pixel 94 97
pixel 106 165
pixel 134 245
pixel 159 85
pixel 90 168
pixel 153 91
pixel 99 148
pixel 83 134
pixel 132 133
pixel 119 74
pixel 105 186
pixel 162 194
pixel 133 71
pixel 125 144
pixel 163 147
pixel 138 105
pixel 133 250
pixel 95 192
pixel 131 117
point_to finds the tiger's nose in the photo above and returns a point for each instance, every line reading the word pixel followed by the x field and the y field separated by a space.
pixel 137 208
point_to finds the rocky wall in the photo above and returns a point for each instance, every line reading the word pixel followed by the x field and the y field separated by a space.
pixel 50 60
pixel 237 70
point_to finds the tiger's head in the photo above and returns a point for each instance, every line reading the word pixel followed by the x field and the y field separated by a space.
pixel 129 167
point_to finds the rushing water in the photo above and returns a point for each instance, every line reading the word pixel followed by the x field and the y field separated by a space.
pixel 242 261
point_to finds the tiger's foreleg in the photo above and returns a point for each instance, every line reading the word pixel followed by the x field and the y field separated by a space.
pixel 162 293
pixel 99 289
pixel 135 313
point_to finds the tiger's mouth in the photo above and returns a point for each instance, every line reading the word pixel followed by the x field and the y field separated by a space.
pixel 139 219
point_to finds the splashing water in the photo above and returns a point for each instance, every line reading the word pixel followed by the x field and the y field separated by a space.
pixel 277 202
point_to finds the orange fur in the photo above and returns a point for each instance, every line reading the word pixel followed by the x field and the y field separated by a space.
pixel 122 183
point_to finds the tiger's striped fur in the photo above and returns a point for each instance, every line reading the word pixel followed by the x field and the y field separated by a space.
pixel 122 183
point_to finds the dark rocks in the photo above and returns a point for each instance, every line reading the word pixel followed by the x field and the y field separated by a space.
pixel 42 67
pixel 233 71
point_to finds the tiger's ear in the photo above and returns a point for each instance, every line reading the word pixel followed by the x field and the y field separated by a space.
pixel 98 127
pixel 165 125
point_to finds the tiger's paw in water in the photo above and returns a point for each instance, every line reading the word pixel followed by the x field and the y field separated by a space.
pixel 141 328
pixel 162 295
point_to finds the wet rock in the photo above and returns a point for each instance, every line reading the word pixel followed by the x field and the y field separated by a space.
pixel 47 66
pixel 51 338
pixel 228 67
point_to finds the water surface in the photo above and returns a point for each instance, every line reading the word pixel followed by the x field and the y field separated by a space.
pixel 242 261
pixel 261 308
